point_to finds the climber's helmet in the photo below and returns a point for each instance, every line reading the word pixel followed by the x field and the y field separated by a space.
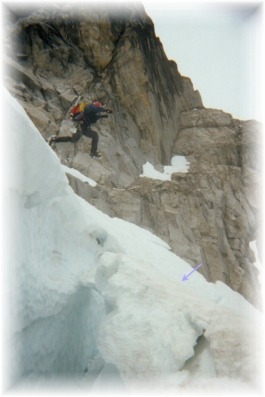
pixel 97 104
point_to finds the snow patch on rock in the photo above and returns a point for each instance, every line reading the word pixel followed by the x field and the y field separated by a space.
pixel 77 174
pixel 178 164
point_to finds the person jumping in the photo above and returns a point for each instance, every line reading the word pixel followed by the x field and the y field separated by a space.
pixel 86 115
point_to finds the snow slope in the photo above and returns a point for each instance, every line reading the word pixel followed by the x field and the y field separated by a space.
pixel 99 299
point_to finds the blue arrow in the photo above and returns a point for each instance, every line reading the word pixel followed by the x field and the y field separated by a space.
pixel 185 278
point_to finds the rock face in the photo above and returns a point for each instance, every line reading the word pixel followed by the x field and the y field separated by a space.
pixel 208 215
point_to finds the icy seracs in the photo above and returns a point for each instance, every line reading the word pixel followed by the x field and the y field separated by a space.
pixel 99 298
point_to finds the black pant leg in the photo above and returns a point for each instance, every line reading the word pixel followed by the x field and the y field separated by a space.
pixel 73 138
pixel 77 135
pixel 94 136
pixel 62 139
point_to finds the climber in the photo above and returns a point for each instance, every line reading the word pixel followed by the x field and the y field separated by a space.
pixel 85 115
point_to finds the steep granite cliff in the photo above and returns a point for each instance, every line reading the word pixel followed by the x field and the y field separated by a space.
pixel 209 214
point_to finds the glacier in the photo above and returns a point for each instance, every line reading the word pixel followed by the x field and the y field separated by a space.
pixel 97 303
